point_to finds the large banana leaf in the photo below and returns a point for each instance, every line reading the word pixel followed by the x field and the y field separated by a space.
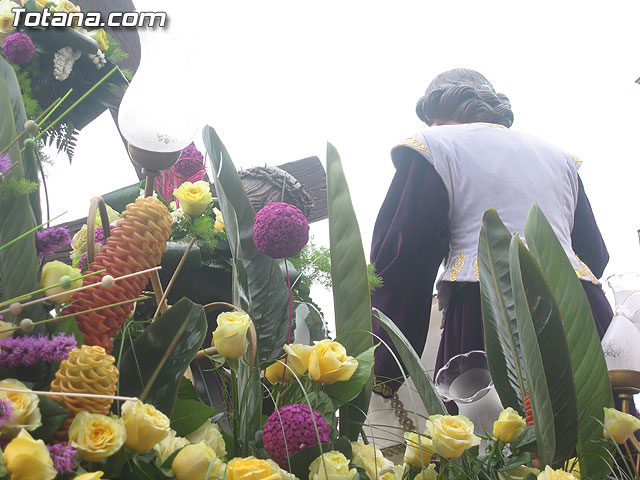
pixel 161 355
pixel 501 340
pixel 19 262
pixel 546 358
pixel 589 366
pixel 415 369
pixel 29 162
pixel 266 297
pixel 351 297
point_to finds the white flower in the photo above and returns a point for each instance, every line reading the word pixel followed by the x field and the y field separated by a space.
pixel 63 61
pixel 98 59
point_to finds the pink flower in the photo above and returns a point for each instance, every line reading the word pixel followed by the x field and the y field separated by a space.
pixel 280 230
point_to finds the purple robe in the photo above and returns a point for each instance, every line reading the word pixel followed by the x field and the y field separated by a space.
pixel 410 241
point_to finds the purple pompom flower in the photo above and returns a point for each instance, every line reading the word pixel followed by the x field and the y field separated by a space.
pixel 5 162
pixel 295 423
pixel 18 48
pixel 190 162
pixel 280 230
pixel 6 411
pixel 63 457
pixel 51 240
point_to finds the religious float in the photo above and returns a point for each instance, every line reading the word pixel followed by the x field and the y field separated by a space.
pixel 174 335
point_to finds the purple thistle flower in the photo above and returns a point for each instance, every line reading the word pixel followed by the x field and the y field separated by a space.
pixel 6 411
pixel 5 162
pixel 295 423
pixel 51 240
pixel 280 230
pixel 63 457
pixel 27 351
pixel 18 48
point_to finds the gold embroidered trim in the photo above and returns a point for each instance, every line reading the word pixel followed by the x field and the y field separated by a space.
pixel 492 125
pixel 382 387
pixel 475 268
pixel 576 160
pixel 456 266
pixel 584 271
pixel 414 142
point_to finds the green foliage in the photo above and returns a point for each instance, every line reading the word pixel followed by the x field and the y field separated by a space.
pixel 314 265
pixel 53 416
pixel 158 359
pixel 202 228
pixel 31 105
pixel 351 297
pixel 343 392
pixel 189 415
pixel 114 53
pixel 11 187
pixel 374 280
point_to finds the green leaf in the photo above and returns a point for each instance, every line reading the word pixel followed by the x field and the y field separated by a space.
pixel 589 366
pixel 415 369
pixel 322 403
pixel 53 416
pixel 165 349
pixel 526 442
pixel 189 415
pixel 68 326
pixel 343 392
pixel 174 253
pixel 19 266
pixel 351 297
pixel 186 390
pixel 501 340
pixel 546 358
pixel 266 296
pixel 119 199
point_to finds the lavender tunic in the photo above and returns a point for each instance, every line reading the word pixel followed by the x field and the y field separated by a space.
pixel 410 241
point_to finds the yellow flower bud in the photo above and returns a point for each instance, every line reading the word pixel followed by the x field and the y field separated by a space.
pixel 619 426
pixel 230 336
pixel 418 451
pixel 331 466
pixel 509 425
pixel 51 273
pixel 371 459
pixel 100 36
pixel 145 425
pixel 219 223
pixel 90 476
pixel 329 362
pixel 28 459
pixel 194 461
pixel 297 359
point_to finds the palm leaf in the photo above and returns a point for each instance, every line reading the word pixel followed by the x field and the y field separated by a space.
pixel 266 298
pixel 351 298
pixel 589 366
pixel 546 358
pixel 502 343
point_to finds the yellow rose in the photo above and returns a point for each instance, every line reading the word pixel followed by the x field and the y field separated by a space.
pixel 418 451
pixel 26 413
pixel 28 459
pixel 518 473
pixel 551 474
pixel 283 474
pixel 194 197
pixel 251 469
pixel 371 459
pixel 451 434
pixel 6 18
pixel 619 426
pixel 165 448
pixel 428 473
pixel 194 461
pixel 145 425
pixel 208 433
pixel 96 436
pixel 573 467
pixel 230 336
pixel 509 425
pixel 331 466
pixel 100 36
pixel 297 359
pixel 90 476
pixel 329 363
pixel 51 273
pixel 219 223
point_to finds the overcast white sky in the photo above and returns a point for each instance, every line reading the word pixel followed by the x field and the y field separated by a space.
pixel 279 79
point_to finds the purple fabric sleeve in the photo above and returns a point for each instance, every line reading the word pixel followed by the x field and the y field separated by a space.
pixel 586 239
pixel 410 239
